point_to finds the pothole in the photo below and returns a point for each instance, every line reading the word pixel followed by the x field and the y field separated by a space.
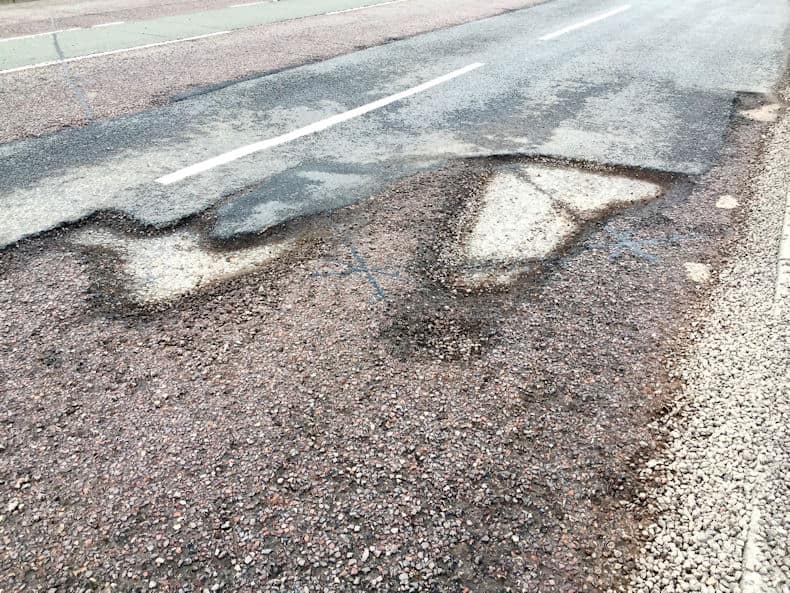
pixel 528 212
pixel 168 266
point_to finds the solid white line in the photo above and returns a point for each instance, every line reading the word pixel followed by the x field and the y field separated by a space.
pixel 589 21
pixel 107 24
pixel 38 34
pixel 109 53
pixel 307 130
pixel 364 7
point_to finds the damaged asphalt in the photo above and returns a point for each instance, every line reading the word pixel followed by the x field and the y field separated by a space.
pixel 579 96
pixel 350 413
pixel 289 430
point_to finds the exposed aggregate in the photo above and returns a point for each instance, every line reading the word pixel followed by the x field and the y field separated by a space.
pixel 295 429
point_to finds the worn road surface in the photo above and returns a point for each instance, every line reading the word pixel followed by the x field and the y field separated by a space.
pixel 326 135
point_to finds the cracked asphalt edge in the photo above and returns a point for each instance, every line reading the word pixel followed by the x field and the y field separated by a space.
pixel 722 511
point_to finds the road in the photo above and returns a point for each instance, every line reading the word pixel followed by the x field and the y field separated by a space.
pixel 106 86
pixel 39 50
pixel 610 91
pixel 353 295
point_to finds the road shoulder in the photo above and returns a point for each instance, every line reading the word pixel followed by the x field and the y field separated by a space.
pixel 720 491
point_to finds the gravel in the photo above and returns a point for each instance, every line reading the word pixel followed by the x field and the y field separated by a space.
pixel 722 516
pixel 337 405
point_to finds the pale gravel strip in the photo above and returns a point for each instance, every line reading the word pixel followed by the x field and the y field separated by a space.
pixel 364 7
pixel 783 266
pixel 723 515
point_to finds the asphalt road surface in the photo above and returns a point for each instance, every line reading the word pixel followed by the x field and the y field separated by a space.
pixel 111 84
pixel 27 52
pixel 648 85
pixel 532 341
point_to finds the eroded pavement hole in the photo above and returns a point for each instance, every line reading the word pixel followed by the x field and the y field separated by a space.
pixel 527 213
pixel 530 212
pixel 167 266
pixel 509 227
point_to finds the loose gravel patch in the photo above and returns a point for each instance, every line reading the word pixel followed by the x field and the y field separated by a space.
pixel 346 417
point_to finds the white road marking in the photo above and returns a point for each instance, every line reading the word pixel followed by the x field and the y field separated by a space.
pixel 589 21
pixel 110 53
pixel 38 34
pixel 364 7
pixel 251 3
pixel 310 129
pixel 60 31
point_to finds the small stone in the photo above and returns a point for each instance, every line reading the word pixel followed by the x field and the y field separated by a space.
pixel 765 113
pixel 726 202
pixel 697 272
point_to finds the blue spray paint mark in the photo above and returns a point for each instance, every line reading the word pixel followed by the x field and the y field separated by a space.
pixel 360 266
pixel 625 242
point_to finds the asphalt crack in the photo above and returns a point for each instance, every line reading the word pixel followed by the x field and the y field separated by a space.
pixel 72 81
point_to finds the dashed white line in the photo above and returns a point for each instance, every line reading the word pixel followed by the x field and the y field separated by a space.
pixel 251 3
pixel 318 126
pixel 38 34
pixel 110 53
pixel 589 21
pixel 364 7
pixel 107 24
